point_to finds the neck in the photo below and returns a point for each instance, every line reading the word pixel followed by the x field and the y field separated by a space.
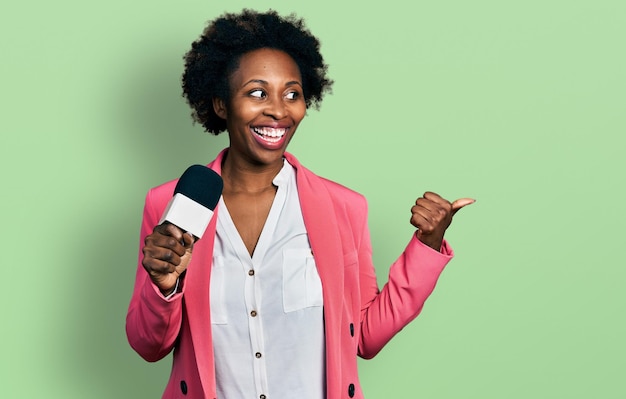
pixel 241 176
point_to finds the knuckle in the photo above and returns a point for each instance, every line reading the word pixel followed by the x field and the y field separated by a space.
pixel 442 212
pixel 148 253
pixel 148 265
pixel 148 240
pixel 163 226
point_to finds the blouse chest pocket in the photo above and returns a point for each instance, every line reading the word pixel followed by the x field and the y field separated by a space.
pixel 302 286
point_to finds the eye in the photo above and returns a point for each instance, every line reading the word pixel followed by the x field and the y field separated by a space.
pixel 257 93
pixel 292 95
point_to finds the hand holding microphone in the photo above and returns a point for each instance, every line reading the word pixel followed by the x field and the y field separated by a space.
pixel 166 255
pixel 167 251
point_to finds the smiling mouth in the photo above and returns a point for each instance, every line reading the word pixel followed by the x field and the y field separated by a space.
pixel 270 134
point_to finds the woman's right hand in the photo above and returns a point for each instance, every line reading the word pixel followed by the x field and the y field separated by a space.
pixel 166 255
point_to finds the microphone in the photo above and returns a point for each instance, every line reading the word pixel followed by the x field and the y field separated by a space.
pixel 195 197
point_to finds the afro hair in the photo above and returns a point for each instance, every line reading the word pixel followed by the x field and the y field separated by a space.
pixel 216 54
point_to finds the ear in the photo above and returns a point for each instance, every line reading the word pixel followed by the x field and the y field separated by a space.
pixel 219 106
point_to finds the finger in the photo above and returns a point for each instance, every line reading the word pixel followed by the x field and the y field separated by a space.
pixel 155 266
pixel 434 204
pixel 419 222
pixel 460 203
pixel 436 198
pixel 159 241
pixel 162 255
pixel 188 241
pixel 422 218
pixel 168 229
pixel 434 209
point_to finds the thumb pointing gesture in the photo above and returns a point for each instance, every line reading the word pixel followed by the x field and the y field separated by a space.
pixel 432 215
pixel 460 203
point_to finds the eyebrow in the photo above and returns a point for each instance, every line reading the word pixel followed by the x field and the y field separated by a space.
pixel 265 83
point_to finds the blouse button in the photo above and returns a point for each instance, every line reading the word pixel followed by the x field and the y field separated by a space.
pixel 253 313
pixel 258 355
pixel 251 272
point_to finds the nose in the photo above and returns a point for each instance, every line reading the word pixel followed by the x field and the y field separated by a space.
pixel 276 108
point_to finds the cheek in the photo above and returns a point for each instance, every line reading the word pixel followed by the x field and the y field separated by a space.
pixel 299 112
pixel 243 114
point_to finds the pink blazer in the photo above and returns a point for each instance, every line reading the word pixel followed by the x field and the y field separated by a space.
pixel 359 318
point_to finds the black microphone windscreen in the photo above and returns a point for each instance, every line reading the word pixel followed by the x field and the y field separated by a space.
pixel 202 185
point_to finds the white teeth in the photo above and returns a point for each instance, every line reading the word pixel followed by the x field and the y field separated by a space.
pixel 270 133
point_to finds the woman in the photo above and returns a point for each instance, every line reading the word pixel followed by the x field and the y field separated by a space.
pixel 280 296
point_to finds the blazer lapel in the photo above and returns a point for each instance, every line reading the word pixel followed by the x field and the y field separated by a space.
pixel 319 218
pixel 197 295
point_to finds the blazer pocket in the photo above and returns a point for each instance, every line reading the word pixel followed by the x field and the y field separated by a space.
pixel 302 286
pixel 217 292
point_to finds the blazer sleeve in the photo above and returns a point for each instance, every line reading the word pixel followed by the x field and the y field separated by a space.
pixel 152 322
pixel 412 278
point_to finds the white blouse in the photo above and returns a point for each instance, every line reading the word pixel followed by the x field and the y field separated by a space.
pixel 267 310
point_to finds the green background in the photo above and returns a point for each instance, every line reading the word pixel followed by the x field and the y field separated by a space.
pixel 518 104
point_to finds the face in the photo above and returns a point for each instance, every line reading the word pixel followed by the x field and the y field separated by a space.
pixel 266 106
